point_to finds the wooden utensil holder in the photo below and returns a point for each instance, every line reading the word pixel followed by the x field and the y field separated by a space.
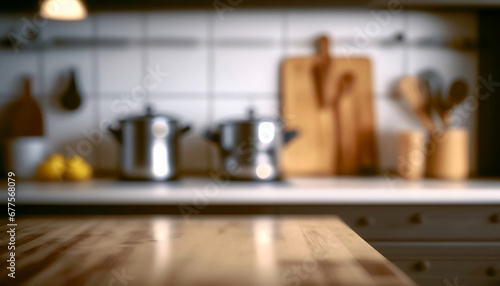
pixel 411 155
pixel 448 155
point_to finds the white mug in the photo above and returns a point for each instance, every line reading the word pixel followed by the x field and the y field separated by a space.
pixel 24 154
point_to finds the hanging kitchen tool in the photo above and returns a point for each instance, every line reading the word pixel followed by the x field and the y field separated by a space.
pixel 27 119
pixel 251 148
pixel 326 114
pixel 149 146
pixel 302 111
pixel 346 118
pixel 71 98
pixel 457 94
pixel 410 88
pixel 432 89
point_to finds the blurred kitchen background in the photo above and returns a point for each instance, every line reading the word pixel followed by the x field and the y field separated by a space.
pixel 220 62
pixel 381 72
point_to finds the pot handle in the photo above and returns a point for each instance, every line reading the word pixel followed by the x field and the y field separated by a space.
pixel 185 129
pixel 289 135
pixel 117 133
pixel 213 136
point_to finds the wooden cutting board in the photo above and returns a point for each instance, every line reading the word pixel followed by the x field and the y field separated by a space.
pixel 310 154
pixel 27 119
pixel 195 251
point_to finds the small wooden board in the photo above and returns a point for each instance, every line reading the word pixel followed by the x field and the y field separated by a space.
pixel 316 150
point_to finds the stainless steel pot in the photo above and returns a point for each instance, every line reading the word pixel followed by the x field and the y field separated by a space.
pixel 251 149
pixel 149 146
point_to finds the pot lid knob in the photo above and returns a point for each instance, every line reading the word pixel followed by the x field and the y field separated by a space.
pixel 251 113
pixel 149 110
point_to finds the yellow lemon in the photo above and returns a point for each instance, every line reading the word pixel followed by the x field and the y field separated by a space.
pixel 47 171
pixel 77 169
pixel 56 159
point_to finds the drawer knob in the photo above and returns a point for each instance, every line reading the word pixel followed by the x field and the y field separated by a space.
pixel 422 266
pixel 492 272
pixel 365 221
pixel 495 218
pixel 417 218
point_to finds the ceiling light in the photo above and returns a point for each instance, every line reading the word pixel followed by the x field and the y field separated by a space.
pixel 64 10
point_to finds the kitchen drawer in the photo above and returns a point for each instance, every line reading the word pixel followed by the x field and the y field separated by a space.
pixel 434 267
pixel 441 250
pixel 450 281
pixel 415 223
pixel 432 263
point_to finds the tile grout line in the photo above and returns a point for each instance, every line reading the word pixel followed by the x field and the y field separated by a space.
pixel 406 54
pixel 95 89
pixel 210 86
pixel 284 40
pixel 144 51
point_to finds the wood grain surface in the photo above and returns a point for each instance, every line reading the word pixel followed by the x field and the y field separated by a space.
pixel 221 250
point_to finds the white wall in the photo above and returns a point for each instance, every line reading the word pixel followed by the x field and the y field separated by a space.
pixel 218 67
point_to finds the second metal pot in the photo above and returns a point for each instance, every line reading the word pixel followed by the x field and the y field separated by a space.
pixel 250 149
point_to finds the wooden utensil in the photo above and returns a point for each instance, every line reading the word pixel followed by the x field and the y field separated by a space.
pixel 410 88
pixel 27 117
pixel 433 87
pixel 71 98
pixel 346 117
pixel 305 156
pixel 457 94
pixel 326 113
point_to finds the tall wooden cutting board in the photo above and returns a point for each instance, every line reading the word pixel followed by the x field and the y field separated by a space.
pixel 314 152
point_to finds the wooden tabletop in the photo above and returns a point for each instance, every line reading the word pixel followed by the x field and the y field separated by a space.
pixel 216 250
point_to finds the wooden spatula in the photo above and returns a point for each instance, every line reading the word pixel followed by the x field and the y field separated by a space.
pixel 27 117
pixel 456 95
pixel 348 157
pixel 411 89
pixel 433 87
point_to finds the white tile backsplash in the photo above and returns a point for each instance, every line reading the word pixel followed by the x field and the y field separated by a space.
pixel 57 65
pixel 252 24
pixel 120 70
pixel 232 66
pixel 362 25
pixel 120 25
pixel 178 24
pixel 220 67
pixel 72 132
pixel 67 29
pixel 442 25
pixel 14 67
pixel 186 67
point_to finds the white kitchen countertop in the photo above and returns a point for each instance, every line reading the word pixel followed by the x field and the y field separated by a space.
pixel 291 192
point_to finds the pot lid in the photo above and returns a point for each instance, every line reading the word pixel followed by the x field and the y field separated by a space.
pixel 148 116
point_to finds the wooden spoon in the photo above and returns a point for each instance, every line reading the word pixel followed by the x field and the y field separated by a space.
pixel 410 88
pixel 322 70
pixel 457 94
pixel 345 127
